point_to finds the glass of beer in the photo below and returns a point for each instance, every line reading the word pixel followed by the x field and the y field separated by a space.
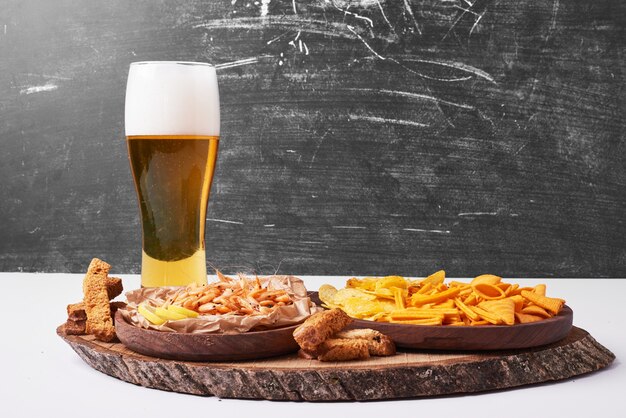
pixel 172 132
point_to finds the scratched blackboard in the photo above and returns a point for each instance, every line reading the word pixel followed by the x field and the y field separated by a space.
pixel 358 137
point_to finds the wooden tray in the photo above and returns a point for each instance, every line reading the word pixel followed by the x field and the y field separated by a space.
pixel 407 374
pixel 206 347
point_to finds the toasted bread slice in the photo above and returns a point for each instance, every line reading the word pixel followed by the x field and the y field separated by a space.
pixel 96 300
pixel 75 327
pixel 76 311
pixel 307 355
pixel 114 287
pixel 342 349
pixel 378 344
pixel 319 327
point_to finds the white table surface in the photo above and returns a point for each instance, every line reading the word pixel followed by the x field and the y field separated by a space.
pixel 42 376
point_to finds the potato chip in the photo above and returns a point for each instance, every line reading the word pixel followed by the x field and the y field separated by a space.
pixel 367 283
pixel 391 281
pixel 359 308
pixel 327 293
pixel 345 294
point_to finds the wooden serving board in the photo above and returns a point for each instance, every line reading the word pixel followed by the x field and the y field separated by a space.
pixel 407 374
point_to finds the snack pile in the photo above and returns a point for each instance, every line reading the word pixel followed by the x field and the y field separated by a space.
pixel 244 296
pixel 322 337
pixel 486 300
pixel 228 305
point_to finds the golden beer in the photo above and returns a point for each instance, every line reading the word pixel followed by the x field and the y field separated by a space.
pixel 172 133
pixel 173 176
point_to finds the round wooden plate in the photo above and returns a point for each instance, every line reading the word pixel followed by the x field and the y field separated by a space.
pixel 484 337
pixel 206 347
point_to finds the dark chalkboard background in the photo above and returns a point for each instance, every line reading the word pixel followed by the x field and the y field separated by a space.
pixel 359 137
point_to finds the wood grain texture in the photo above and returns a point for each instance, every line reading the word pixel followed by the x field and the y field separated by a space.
pixel 206 347
pixel 407 374
pixel 359 137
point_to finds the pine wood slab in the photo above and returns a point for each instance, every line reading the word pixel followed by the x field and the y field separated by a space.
pixel 408 374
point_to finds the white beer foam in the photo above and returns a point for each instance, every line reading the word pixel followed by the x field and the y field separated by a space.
pixel 172 98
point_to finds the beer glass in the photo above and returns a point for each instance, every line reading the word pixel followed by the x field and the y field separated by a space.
pixel 172 133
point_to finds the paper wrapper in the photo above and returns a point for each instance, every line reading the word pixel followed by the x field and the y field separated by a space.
pixel 282 316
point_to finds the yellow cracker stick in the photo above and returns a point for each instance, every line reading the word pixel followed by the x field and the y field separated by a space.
pixel 552 305
pixel 446 304
pixel 399 298
pixel 466 310
pixel 471 300
pixel 417 299
pixel 450 319
pixel 487 316
pixel 424 289
pixel 432 321
pixel 408 316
